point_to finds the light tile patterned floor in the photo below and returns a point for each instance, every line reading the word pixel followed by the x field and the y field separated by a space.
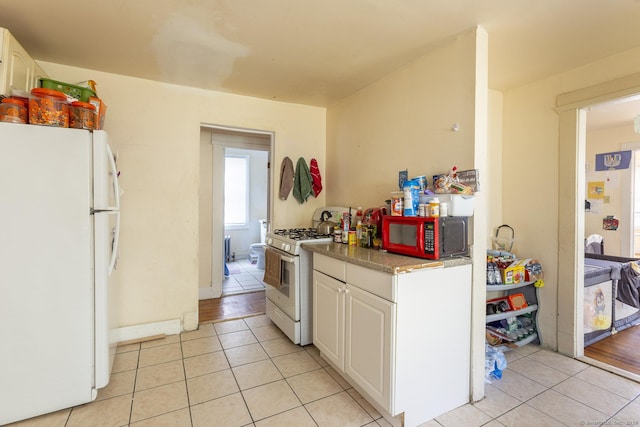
pixel 245 372
pixel 244 277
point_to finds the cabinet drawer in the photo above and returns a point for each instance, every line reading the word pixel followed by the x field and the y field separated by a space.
pixel 329 266
pixel 376 282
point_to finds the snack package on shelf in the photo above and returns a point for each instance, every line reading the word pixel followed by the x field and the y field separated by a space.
pixel 457 182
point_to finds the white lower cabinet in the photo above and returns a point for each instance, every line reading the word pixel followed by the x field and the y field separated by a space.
pixel 395 338
pixel 369 343
pixel 354 329
pixel 328 321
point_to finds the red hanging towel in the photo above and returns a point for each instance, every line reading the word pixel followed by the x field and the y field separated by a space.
pixel 316 183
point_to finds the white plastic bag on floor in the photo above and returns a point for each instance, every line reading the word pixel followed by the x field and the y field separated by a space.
pixel 494 363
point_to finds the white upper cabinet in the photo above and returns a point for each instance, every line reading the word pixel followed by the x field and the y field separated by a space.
pixel 17 69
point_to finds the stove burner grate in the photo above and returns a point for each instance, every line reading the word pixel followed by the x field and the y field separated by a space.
pixel 300 233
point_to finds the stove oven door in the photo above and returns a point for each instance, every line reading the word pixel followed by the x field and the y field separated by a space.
pixel 285 297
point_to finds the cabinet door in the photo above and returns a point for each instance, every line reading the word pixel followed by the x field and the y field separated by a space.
pixel 19 68
pixel 370 339
pixel 328 317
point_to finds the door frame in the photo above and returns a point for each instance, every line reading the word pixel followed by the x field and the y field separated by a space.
pixel 627 228
pixel 571 108
pixel 217 229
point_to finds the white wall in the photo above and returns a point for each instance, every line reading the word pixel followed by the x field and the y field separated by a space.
pixel 156 128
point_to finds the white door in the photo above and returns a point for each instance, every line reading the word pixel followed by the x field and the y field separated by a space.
pixel 105 174
pixel 106 205
pixel 328 317
pixel 106 229
pixel 370 325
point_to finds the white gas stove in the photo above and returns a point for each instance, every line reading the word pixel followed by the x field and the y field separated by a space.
pixel 289 304
pixel 289 240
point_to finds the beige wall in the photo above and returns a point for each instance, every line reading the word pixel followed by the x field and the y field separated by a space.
pixel 156 130
pixel 491 178
pixel 405 121
pixel 531 170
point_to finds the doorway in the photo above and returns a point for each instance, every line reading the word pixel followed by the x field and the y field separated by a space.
pixel 225 243
pixel 572 109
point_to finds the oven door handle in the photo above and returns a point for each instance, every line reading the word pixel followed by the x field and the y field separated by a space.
pixel 287 259
pixel 283 255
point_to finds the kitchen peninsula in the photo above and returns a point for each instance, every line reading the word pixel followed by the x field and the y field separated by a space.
pixel 396 327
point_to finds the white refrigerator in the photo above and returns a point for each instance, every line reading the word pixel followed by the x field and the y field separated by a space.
pixel 59 227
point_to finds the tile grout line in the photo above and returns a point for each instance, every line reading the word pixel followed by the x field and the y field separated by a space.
pixel 186 384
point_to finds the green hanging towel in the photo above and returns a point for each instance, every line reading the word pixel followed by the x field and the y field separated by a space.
pixel 302 184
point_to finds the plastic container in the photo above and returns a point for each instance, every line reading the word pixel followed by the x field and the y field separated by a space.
pixel 422 182
pixel 82 115
pixel 22 96
pixel 434 208
pixel 48 107
pixel 444 209
pixel 397 203
pixel 13 110
pixel 78 92
pixel 425 198
pixel 411 191
pixel 459 204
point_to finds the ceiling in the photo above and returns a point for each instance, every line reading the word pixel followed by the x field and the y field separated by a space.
pixel 313 52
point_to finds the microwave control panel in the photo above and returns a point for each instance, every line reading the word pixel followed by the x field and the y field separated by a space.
pixel 430 238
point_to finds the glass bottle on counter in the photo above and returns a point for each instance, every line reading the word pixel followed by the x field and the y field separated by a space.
pixel 369 231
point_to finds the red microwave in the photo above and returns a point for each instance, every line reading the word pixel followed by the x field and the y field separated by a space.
pixel 425 237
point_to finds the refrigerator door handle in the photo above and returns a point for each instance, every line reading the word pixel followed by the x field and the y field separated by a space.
pixel 115 244
pixel 114 173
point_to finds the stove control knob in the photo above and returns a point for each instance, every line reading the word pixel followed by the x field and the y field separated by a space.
pixel 269 241
pixel 287 247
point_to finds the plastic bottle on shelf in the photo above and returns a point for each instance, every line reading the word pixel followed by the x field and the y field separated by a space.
pixel 444 209
pixel 434 208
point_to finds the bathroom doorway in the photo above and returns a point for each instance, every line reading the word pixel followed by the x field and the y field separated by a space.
pixel 235 193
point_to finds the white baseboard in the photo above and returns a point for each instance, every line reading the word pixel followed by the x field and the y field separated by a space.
pixel 167 327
